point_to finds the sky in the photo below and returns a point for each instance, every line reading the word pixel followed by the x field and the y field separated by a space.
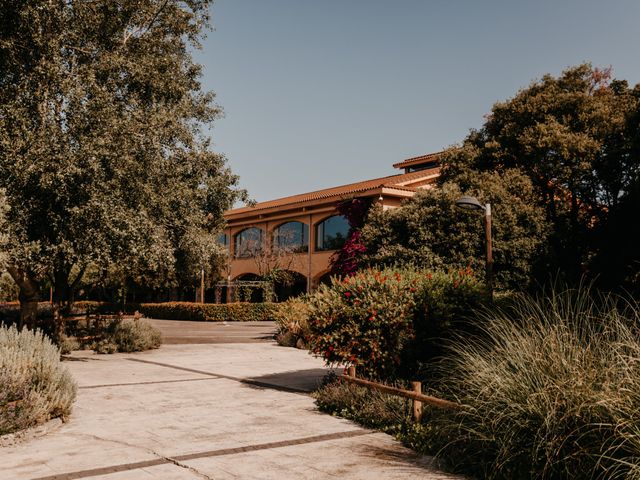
pixel 320 93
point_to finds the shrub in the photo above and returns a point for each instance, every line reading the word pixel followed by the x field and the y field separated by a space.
pixel 68 344
pixel 117 334
pixel 292 319
pixel 374 409
pixel 368 407
pixel 35 386
pixel 384 321
pixel 10 312
pixel 8 288
pixel 87 307
pixel 364 319
pixel 135 335
pixel 553 389
pixel 210 312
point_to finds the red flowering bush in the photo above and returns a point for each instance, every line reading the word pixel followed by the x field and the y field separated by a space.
pixel 382 320
pixel 346 260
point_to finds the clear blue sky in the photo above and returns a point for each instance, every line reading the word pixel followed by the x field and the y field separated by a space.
pixel 319 93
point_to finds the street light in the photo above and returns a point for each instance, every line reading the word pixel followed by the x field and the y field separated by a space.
pixel 472 203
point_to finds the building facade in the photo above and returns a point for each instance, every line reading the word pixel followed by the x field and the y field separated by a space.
pixel 299 234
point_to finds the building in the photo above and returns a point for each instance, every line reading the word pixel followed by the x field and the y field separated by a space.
pixel 300 233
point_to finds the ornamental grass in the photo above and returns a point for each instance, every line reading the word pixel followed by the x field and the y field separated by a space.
pixel 553 390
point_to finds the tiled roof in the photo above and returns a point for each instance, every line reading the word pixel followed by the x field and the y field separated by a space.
pixel 404 181
pixel 431 157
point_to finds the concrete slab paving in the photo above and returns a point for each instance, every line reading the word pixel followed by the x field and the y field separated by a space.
pixel 184 332
pixel 206 411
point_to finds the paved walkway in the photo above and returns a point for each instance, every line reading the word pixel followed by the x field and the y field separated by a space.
pixel 212 411
pixel 181 332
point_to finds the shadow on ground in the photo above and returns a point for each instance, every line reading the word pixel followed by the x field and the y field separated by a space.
pixel 298 381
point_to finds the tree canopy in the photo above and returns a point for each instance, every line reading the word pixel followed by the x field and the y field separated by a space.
pixel 103 156
pixel 576 138
pixel 561 161
pixel 429 231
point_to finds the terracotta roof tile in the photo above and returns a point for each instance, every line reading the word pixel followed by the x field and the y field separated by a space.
pixel 431 157
pixel 403 181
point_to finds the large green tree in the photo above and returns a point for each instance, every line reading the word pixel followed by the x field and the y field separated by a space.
pixel 575 137
pixel 429 231
pixel 102 153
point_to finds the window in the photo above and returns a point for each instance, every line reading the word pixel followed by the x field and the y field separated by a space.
pixel 222 240
pixel 249 242
pixel 332 233
pixel 292 237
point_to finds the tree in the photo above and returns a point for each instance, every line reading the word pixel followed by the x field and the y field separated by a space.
pixel 102 152
pixel 573 137
pixel 430 232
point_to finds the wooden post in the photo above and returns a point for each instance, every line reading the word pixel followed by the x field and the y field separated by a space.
pixel 352 371
pixel 202 285
pixel 417 405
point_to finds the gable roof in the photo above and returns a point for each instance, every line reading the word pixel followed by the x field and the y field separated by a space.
pixel 405 181
pixel 410 162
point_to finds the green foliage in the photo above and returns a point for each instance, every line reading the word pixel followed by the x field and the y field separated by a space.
pixel 576 137
pixel 114 334
pixel 370 408
pixel 8 288
pixel 383 321
pixel 210 312
pixel 68 345
pixel 135 335
pixel 292 320
pixel 553 389
pixel 35 386
pixel 103 157
pixel 429 231
pixel 374 409
pixel 10 312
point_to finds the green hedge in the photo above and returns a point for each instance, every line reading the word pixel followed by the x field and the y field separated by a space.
pixel 210 312
pixel 10 311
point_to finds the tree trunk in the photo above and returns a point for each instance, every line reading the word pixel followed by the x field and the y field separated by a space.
pixel 29 295
pixel 63 297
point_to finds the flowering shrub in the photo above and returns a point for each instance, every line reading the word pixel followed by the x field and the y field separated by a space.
pixel 346 260
pixel 384 320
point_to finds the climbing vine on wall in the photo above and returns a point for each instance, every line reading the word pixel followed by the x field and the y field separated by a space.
pixel 345 261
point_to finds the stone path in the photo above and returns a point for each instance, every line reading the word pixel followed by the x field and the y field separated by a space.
pixel 212 411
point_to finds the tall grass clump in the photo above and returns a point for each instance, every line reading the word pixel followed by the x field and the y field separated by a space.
pixel 34 386
pixel 292 320
pixel 552 387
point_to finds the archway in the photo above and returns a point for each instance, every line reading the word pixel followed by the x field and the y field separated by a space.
pixel 248 293
pixel 325 278
pixel 292 284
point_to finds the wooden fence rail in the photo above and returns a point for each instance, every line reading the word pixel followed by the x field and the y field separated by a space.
pixel 416 395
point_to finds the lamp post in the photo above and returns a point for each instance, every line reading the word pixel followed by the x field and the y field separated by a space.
pixel 472 203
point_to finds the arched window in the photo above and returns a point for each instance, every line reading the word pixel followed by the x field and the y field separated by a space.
pixel 332 233
pixel 248 242
pixel 292 237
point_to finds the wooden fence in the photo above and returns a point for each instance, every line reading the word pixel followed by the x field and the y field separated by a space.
pixel 416 395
